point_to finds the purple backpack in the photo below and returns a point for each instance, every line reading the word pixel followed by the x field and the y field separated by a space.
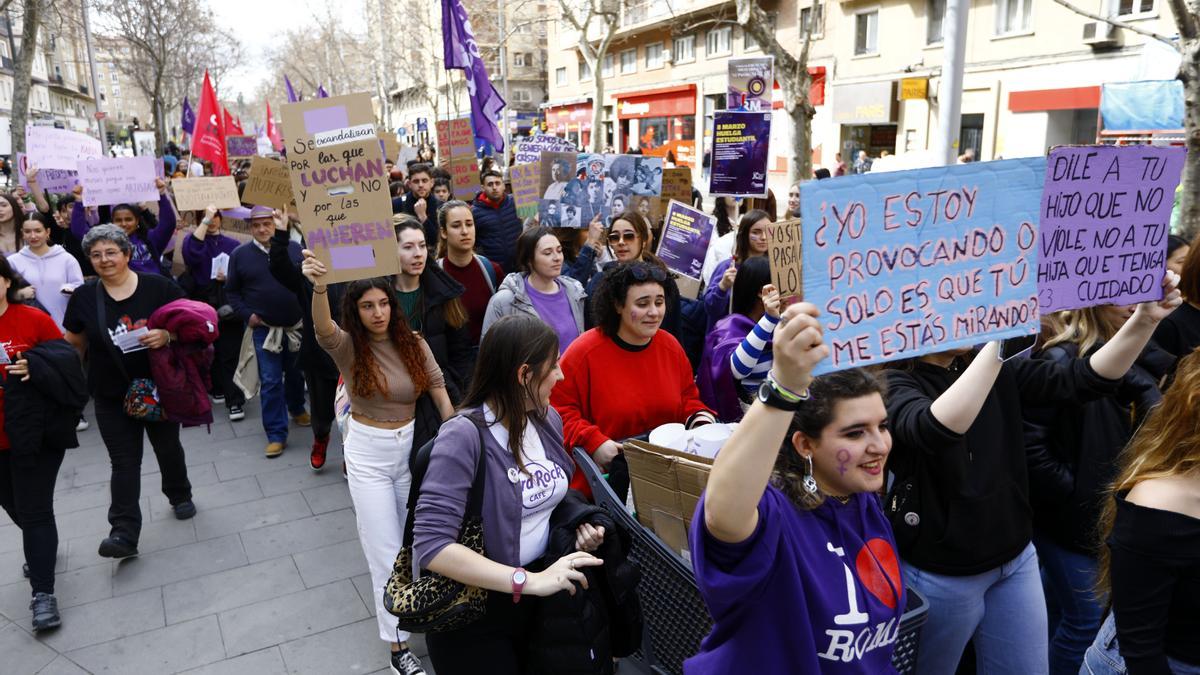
pixel 181 369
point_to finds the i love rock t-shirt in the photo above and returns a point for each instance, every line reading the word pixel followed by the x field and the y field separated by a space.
pixel 809 592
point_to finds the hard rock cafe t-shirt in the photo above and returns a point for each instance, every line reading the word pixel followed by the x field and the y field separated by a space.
pixel 808 592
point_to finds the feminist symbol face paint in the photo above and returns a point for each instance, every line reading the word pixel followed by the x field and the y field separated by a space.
pixel 843 457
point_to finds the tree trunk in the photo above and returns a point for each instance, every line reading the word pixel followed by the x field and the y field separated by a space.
pixel 1189 202
pixel 23 73
pixel 597 109
pixel 796 89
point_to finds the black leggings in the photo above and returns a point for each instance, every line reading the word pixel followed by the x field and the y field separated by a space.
pixel 225 359
pixel 495 644
pixel 122 436
pixel 321 389
pixel 27 494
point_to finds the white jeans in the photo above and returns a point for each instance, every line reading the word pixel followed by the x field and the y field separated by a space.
pixel 377 470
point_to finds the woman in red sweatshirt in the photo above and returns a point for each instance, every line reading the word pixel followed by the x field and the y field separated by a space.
pixel 626 376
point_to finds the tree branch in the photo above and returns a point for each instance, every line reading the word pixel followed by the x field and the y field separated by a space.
pixel 1128 26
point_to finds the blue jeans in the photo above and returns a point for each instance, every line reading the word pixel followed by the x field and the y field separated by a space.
pixel 281 386
pixel 1002 610
pixel 1104 656
pixel 1073 611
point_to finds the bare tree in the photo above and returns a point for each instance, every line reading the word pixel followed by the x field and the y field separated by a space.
pixel 170 44
pixel 599 18
pixel 1187 21
pixel 793 75
pixel 23 70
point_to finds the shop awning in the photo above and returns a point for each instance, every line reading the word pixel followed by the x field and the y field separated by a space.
pixel 1041 100
pixel 1153 104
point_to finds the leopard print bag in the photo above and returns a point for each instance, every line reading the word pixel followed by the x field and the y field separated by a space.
pixel 434 603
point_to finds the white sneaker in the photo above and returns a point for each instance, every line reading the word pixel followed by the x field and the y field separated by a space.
pixel 82 425
pixel 404 662
pixel 236 413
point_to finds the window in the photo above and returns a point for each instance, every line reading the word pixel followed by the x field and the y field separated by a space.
pixel 935 17
pixel 585 71
pixel 519 60
pixel 606 66
pixel 749 44
pixel 866 33
pixel 629 61
pixel 806 16
pixel 683 49
pixel 560 76
pixel 521 96
pixel 114 76
pixel 1132 7
pixel 1012 16
pixel 654 56
pixel 717 41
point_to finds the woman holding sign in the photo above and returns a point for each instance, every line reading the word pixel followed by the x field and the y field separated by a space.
pixel 147 235
pixel 959 504
pixel 386 368
pixel 751 241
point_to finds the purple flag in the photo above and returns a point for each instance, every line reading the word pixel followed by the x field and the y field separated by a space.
pixel 321 93
pixel 291 93
pixel 188 121
pixel 461 52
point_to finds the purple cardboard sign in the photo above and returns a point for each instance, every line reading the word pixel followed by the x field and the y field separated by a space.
pixel 50 180
pixel 1105 216
pixel 326 119
pixel 352 257
pixel 241 146
pixel 685 237
pixel 117 180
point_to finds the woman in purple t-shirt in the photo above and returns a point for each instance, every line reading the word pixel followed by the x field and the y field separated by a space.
pixel 539 288
pixel 792 552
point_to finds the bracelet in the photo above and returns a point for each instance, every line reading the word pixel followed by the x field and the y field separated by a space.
pixel 784 392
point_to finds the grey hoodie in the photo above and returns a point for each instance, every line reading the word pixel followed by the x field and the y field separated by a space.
pixel 48 274
pixel 512 298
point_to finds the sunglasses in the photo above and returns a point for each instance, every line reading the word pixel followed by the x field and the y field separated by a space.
pixel 614 237
pixel 644 272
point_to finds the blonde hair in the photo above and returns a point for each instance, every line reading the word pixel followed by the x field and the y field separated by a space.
pixel 1083 327
pixel 1166 445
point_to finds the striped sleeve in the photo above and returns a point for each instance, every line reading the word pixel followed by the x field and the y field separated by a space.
pixel 753 350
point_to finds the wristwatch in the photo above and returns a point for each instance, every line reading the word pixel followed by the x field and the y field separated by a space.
pixel 519 577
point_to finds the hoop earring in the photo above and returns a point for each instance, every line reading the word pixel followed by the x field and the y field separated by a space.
pixel 810 483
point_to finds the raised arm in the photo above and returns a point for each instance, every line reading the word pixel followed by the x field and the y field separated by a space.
pixel 1117 355
pixel 35 191
pixel 960 404
pixel 743 467
pixel 161 234
pixel 279 260
pixel 79 221
pixel 314 270
pixel 752 350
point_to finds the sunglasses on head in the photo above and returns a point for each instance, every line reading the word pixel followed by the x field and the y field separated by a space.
pixel 644 272
pixel 614 237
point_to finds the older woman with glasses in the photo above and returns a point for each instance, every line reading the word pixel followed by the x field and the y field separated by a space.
pixel 751 241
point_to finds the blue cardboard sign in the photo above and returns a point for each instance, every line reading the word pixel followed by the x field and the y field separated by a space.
pixel 915 262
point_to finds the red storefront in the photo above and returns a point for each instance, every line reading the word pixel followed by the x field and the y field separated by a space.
pixel 572 121
pixel 658 121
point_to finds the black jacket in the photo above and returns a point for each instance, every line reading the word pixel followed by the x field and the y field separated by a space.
pixel 287 273
pixel 959 504
pixel 580 634
pixel 1071 448
pixel 496 230
pixel 404 204
pixel 451 346
pixel 36 413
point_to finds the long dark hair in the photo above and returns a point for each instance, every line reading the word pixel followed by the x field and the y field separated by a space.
pixel 721 211
pixel 527 245
pixel 512 342
pixel 15 281
pixel 811 419
pixel 747 286
pixel 369 378
pixel 18 217
pixel 614 289
pixel 145 222
pixel 741 247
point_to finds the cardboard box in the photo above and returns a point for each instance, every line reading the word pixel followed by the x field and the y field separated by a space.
pixel 666 486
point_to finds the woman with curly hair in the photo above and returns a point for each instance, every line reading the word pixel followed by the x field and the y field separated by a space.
pixel 387 368
pixel 1150 526
pixel 148 235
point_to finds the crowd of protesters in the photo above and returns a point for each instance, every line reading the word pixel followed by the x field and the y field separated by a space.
pixel 1044 507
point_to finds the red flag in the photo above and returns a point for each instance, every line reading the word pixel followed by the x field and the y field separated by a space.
pixel 232 127
pixel 273 131
pixel 208 140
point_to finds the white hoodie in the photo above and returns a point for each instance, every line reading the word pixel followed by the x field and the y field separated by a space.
pixel 47 274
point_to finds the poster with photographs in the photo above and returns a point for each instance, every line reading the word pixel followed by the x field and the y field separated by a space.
pixel 576 188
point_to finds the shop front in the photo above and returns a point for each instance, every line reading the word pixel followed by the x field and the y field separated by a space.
pixel 572 121
pixel 866 114
pixel 659 121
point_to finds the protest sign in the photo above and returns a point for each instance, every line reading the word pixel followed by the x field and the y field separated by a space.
pixel 196 193
pixel 750 83
pixel 531 150
pixel 120 180
pixel 268 184
pixel 50 148
pixel 557 169
pixel 241 146
pixel 1106 212
pixel 912 262
pixel 391 146
pixel 685 236
pixel 677 185
pixel 526 179
pixel 606 185
pixel 740 152
pixel 456 148
pixel 784 253
pixel 50 180
pixel 341 186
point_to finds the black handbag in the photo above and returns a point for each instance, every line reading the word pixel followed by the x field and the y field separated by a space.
pixel 435 603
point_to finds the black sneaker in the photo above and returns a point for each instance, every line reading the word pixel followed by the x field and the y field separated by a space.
pixel 404 662
pixel 218 398
pixel 116 547
pixel 45 612
pixel 236 413
pixel 184 510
